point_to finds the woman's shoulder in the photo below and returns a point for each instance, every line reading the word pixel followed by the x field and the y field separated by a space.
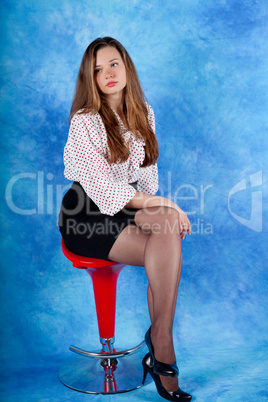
pixel 91 125
pixel 85 115
pixel 149 110
pixel 151 117
pixel 89 119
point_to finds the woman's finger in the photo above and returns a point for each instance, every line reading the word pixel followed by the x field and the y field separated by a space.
pixel 185 226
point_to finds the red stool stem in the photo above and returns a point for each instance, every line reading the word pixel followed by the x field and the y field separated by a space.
pixel 104 281
pixel 104 275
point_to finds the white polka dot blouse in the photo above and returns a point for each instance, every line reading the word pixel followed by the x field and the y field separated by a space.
pixel 86 161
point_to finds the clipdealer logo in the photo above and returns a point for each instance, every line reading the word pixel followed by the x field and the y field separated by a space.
pixel 48 194
pixel 255 220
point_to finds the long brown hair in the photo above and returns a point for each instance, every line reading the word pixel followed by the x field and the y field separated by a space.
pixel 88 98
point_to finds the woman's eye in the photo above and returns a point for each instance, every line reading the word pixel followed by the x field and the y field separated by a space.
pixel 114 64
pixel 97 70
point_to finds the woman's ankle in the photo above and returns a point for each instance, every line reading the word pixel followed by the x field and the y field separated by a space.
pixel 163 346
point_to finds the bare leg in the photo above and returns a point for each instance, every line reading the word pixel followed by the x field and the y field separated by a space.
pixel 157 246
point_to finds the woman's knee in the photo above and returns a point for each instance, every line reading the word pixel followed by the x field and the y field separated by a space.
pixel 158 219
pixel 170 220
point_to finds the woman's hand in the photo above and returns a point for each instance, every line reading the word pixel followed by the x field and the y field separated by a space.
pixel 185 225
pixel 142 200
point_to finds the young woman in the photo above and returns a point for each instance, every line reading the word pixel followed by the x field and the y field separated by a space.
pixel 111 211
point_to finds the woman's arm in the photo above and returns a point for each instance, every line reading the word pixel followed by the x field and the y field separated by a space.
pixel 85 162
pixel 142 200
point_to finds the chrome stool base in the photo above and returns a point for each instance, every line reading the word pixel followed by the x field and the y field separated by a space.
pixel 104 373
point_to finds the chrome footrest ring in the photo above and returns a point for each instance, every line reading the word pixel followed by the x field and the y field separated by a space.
pixel 104 373
pixel 105 355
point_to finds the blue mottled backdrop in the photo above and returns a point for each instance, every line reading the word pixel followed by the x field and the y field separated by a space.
pixel 203 66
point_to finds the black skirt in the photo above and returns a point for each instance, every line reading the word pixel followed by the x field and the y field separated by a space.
pixel 84 229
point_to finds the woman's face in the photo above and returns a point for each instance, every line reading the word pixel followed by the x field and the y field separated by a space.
pixel 110 71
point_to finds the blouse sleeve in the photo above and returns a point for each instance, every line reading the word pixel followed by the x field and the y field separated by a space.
pixel 83 154
pixel 148 181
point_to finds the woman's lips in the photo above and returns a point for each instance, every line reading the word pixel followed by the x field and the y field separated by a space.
pixel 111 84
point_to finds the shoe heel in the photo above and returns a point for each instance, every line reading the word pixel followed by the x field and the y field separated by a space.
pixel 145 372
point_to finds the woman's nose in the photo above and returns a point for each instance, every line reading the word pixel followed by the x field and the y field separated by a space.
pixel 109 73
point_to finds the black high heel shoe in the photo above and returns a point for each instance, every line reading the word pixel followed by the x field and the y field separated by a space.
pixel 169 395
pixel 166 370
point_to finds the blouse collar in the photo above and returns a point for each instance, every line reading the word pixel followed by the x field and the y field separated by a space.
pixel 127 134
